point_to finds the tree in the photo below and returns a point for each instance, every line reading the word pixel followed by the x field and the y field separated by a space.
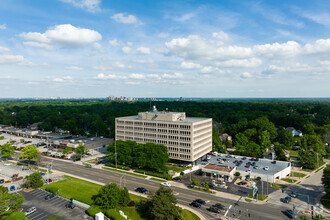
pixel 66 150
pixel 81 150
pixel 326 179
pixel 163 205
pixel 108 196
pixel 264 140
pixel 33 180
pixel 241 141
pixel 17 216
pixel 9 200
pixel 285 137
pixel 7 150
pixel 124 197
pixel 279 152
pixel 307 159
pixel 29 152
pixel 217 145
pixel 194 182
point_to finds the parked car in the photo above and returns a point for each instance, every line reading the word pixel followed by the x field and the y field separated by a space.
pixel 49 196
pixel 166 184
pixel 26 168
pixel 214 209
pixel 242 183
pixel 200 201
pixel 98 162
pixel 2 181
pixel 176 179
pixel 290 213
pixel 208 157
pixel 215 153
pixel 49 180
pixel 12 188
pixel 70 205
pixel 89 166
pixel 141 190
pixel 30 210
pixel 7 164
pixel 266 168
pixel 211 185
pixel 195 204
pixel 256 167
pixel 293 194
pixel 286 199
pixel 243 158
pixel 220 206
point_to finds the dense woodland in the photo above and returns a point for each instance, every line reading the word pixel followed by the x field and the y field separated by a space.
pixel 254 124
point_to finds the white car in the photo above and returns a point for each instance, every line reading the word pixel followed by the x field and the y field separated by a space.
pixel 215 153
pixel 266 168
pixel 7 164
pixel 208 157
pixel 30 210
pixel 167 184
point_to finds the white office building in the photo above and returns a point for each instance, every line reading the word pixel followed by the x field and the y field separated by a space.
pixel 187 138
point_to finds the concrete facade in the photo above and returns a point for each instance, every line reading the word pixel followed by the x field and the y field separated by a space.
pixel 186 138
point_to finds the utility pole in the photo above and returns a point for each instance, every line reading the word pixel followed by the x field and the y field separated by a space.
pixel 317 154
pixel 291 172
pixel 262 188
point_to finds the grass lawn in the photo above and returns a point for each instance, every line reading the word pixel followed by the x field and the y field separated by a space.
pixel 121 171
pixel 131 213
pixel 134 197
pixel 295 174
pixel 188 215
pixel 293 152
pixel 248 200
pixel 260 197
pixel 159 180
pixel 74 188
pixel 277 186
pixel 289 180
pixel 176 169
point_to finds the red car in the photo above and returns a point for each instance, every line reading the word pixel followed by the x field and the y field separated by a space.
pixel 242 183
pixel 209 153
pixel 49 180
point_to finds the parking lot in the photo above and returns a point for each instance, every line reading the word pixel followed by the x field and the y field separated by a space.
pixel 54 207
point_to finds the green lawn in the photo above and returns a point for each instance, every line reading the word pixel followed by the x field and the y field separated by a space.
pixel 289 180
pixel 293 152
pixel 277 186
pixel 134 197
pixel 176 169
pixel 188 215
pixel 260 197
pixel 295 174
pixel 121 171
pixel 74 188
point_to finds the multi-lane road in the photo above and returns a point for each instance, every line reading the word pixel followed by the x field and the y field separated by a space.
pixel 184 196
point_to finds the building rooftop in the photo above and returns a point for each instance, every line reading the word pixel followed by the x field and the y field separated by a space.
pixel 186 120
pixel 221 168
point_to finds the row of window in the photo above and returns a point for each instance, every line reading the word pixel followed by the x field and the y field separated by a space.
pixel 207 144
pixel 208 123
pixel 202 135
pixel 181 150
pixel 161 136
pixel 151 124
pixel 181 156
pixel 154 130
pixel 202 130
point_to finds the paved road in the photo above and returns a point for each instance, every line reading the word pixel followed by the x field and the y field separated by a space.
pixel 184 196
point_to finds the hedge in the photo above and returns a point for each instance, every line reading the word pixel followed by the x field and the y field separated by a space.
pixel 114 215
pixel 93 210
pixel 118 166
pixel 160 175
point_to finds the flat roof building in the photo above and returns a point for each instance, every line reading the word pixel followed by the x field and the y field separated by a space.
pixel 187 138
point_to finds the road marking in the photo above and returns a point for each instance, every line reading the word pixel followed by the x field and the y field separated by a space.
pixel 292 201
pixel 317 182
pixel 36 216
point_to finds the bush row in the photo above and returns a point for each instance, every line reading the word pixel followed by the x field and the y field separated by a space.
pixel 160 175
pixel 118 166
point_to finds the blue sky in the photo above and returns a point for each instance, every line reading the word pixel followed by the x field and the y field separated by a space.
pixel 98 48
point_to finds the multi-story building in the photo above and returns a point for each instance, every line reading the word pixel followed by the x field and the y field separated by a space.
pixel 187 138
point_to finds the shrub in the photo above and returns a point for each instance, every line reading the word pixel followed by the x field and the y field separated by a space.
pixel 237 174
pixel 258 178
pixel 118 166
pixel 17 216
pixel 113 214
pixel 91 211
pixel 182 173
pixel 194 182
pixel 54 218
pixel 160 175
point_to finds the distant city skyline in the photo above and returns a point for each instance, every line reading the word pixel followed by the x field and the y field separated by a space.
pixel 218 49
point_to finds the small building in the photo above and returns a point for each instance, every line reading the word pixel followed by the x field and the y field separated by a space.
pixel 220 172
pixel 294 132
pixel 226 136
pixel 270 155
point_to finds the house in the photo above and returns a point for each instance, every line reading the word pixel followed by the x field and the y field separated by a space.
pixel 270 155
pixel 226 136
pixel 294 132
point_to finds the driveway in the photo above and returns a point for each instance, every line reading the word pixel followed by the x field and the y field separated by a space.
pixel 54 207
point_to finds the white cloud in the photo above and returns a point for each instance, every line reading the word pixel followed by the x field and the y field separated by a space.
pixel 64 34
pixel 121 18
pixel 210 69
pixel 320 18
pixel 143 50
pixel 118 65
pixel 163 35
pixel 126 49
pixel 114 43
pixel 3 27
pixel 320 46
pixel 277 50
pixel 89 5
pixel 129 44
pixel 73 68
pixel 245 75
pixel 172 76
pixel 146 61
pixel 136 76
pixel 62 79
pixel 10 59
pixel 110 76
pixel 132 83
pixel 38 45
pixel 247 63
pixel 221 36
pixel 190 65
pixel 58 80
pixel 4 50
pixel 184 17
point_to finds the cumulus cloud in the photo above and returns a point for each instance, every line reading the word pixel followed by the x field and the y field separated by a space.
pixel 38 45
pixel 4 50
pixel 247 63
pixel 64 34
pixel 143 51
pixel 190 65
pixel 62 79
pixel 118 65
pixel 6 57
pixel 146 61
pixel 89 5
pixel 172 76
pixel 73 68
pixel 137 76
pixel 245 75
pixel 114 43
pixel 221 36
pixel 210 69
pixel 126 19
pixel 126 49
pixel 320 46
pixel 110 76
pixel 276 50
pixel 3 27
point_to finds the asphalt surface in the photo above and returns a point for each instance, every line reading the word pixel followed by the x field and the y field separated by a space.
pixel 50 208
pixel 184 196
